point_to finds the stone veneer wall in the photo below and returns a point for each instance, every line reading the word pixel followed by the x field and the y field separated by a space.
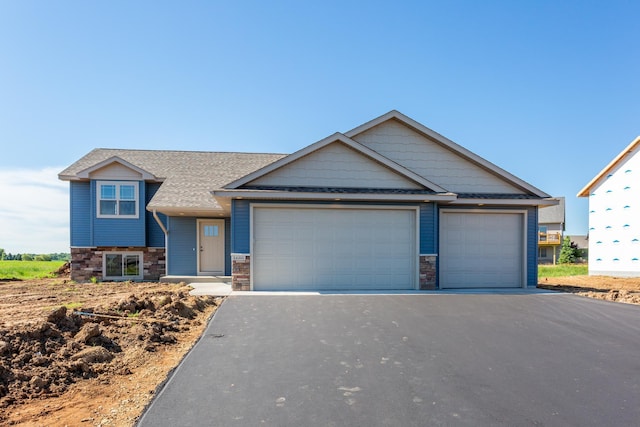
pixel 241 272
pixel 427 272
pixel 87 262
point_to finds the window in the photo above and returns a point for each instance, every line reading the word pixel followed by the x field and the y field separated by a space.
pixel 117 199
pixel 122 265
pixel 543 253
pixel 211 230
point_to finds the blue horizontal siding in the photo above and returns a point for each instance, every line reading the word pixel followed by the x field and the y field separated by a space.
pixel 117 231
pixel 428 228
pixel 80 218
pixel 181 246
pixel 240 227
pixel 227 246
pixel 532 246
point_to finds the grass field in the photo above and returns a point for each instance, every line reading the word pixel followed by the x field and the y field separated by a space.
pixel 563 270
pixel 25 270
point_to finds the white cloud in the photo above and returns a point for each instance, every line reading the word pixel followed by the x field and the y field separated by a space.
pixel 34 211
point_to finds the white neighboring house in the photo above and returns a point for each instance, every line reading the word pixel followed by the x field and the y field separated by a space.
pixel 614 216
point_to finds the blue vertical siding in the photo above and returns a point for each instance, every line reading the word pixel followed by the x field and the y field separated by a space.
pixel 428 228
pixel 155 235
pixel 181 247
pixel 80 208
pixel 240 227
pixel 116 231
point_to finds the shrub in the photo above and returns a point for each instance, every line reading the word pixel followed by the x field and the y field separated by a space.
pixel 568 252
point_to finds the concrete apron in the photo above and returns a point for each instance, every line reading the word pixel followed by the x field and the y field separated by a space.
pixel 224 289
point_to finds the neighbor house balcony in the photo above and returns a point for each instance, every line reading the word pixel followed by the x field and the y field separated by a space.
pixel 550 239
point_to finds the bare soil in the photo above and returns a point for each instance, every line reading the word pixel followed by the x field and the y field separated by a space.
pixel 91 354
pixel 617 289
pixel 95 354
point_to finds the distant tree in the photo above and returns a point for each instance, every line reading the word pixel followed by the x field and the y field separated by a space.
pixel 61 256
pixel 2 254
pixel 42 257
pixel 568 252
pixel 27 257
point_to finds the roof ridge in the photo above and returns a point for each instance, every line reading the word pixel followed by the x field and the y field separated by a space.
pixel 188 151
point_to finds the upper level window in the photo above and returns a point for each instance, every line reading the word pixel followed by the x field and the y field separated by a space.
pixel 117 199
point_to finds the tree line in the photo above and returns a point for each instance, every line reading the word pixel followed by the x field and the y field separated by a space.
pixel 8 256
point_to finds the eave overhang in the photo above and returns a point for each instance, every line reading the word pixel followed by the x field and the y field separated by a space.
pixel 617 160
pixel 190 211
pixel 334 196
pixel 506 202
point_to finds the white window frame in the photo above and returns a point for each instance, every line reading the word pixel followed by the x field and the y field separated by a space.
pixel 118 184
pixel 138 276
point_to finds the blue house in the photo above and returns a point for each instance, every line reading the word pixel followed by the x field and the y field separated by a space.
pixel 390 204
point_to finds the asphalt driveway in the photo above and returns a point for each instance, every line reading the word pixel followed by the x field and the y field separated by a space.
pixel 409 360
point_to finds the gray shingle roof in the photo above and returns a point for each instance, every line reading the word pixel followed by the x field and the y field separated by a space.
pixel 188 176
pixel 552 214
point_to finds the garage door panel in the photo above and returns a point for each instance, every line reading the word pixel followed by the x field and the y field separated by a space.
pixel 479 250
pixel 320 248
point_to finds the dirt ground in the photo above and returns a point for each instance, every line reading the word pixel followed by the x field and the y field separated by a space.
pixel 94 354
pixel 617 289
pixel 100 368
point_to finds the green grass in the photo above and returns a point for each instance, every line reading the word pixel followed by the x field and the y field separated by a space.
pixel 72 305
pixel 563 270
pixel 25 270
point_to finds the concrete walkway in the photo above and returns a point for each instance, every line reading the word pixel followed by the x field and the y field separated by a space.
pixel 216 289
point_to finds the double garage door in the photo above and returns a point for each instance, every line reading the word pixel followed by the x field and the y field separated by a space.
pixel 323 248
pixel 318 248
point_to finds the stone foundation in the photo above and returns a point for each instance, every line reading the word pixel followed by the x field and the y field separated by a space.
pixel 240 272
pixel 87 262
pixel 428 272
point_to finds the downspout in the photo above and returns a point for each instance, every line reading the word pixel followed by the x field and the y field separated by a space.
pixel 166 240
pixel 157 218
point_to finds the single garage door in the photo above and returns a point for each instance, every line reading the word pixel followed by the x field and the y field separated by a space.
pixel 319 248
pixel 481 250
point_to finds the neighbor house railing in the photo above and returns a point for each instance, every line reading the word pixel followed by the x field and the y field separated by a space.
pixel 549 238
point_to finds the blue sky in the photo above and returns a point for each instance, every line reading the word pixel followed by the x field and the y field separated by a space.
pixel 547 90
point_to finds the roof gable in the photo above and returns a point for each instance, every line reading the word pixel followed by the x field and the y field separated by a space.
pixel 336 161
pixel 625 155
pixel 115 168
pixel 437 158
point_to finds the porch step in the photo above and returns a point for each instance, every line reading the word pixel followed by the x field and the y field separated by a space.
pixel 195 279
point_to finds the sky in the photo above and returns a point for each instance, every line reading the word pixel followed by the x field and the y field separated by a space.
pixel 547 90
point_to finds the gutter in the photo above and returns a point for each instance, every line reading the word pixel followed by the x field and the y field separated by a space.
pixel 157 218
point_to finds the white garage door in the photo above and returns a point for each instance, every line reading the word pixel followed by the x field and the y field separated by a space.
pixel 481 250
pixel 333 249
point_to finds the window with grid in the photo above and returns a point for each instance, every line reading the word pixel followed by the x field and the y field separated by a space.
pixel 122 265
pixel 117 199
